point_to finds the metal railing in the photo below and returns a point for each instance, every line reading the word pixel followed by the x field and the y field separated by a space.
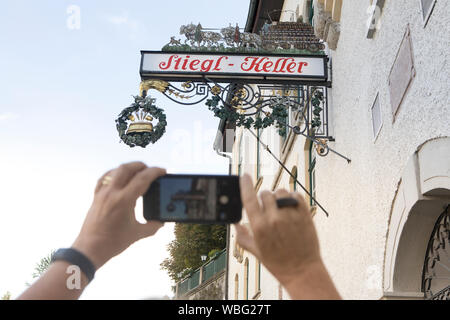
pixel 202 274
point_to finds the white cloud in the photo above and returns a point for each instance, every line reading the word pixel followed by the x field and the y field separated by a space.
pixel 132 26
pixel 8 116
pixel 118 20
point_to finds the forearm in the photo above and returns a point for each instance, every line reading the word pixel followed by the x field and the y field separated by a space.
pixel 314 283
pixel 61 281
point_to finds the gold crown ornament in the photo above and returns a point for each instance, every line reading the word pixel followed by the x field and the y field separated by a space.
pixel 141 122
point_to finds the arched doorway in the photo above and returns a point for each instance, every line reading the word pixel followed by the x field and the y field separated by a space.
pixel 422 195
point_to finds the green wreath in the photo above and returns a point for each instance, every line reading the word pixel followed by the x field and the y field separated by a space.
pixel 141 139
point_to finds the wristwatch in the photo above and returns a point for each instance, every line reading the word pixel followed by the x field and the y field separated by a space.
pixel 75 257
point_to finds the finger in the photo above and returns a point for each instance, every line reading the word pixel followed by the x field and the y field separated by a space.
pixel 303 205
pixel 100 182
pixel 249 198
pixel 125 173
pixel 281 193
pixel 140 183
pixel 268 201
pixel 148 229
pixel 246 240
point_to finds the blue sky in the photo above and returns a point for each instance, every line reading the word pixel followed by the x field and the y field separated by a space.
pixel 60 92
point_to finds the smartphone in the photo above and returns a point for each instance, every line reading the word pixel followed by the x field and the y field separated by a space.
pixel 210 199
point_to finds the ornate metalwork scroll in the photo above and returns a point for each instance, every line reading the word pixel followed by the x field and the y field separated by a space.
pixel 257 106
pixel 436 269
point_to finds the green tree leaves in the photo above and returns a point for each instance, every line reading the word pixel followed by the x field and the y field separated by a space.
pixel 191 242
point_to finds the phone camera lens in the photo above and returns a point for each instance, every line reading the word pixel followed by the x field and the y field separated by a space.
pixel 223 216
pixel 223 199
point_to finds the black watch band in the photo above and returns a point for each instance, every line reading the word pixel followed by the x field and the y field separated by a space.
pixel 75 257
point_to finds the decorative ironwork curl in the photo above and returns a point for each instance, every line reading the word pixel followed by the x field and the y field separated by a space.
pixel 437 260
pixel 259 106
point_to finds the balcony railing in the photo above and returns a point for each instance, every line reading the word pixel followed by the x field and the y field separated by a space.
pixel 202 274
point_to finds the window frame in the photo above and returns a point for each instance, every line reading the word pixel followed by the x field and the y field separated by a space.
pixel 375 135
pixel 258 287
pixel 428 15
pixel 293 180
pixel 240 155
pixel 374 16
pixel 236 287
pixel 258 155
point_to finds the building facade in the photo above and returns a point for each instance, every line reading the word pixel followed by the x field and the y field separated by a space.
pixel 389 113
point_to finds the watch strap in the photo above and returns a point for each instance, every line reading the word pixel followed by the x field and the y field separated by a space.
pixel 77 258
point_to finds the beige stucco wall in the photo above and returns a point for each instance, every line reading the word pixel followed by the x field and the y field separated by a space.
pixel 359 196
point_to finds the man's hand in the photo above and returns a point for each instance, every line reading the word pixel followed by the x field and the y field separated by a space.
pixel 110 225
pixel 109 228
pixel 284 240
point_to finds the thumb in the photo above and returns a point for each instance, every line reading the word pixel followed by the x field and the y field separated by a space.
pixel 148 229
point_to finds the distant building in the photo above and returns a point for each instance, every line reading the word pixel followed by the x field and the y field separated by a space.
pixel 387 235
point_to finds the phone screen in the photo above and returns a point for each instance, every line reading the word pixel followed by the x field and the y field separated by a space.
pixel 194 198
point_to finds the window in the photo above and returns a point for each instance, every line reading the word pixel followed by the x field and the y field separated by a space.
pixel 246 279
pixel 285 130
pixel 377 121
pixel 374 13
pixel 312 174
pixel 310 5
pixel 241 156
pixel 258 275
pixel 293 180
pixel 402 73
pixel 427 7
pixel 236 287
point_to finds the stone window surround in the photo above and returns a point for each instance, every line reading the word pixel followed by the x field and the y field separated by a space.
pixel 376 7
pixel 327 17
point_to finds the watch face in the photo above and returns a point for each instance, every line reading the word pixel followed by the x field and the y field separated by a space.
pixel 436 269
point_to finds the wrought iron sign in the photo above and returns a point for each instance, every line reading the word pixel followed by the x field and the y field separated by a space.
pixel 248 79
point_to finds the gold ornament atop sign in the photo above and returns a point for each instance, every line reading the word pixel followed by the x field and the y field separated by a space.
pixel 159 85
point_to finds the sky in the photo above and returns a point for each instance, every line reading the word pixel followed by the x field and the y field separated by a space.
pixel 63 81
